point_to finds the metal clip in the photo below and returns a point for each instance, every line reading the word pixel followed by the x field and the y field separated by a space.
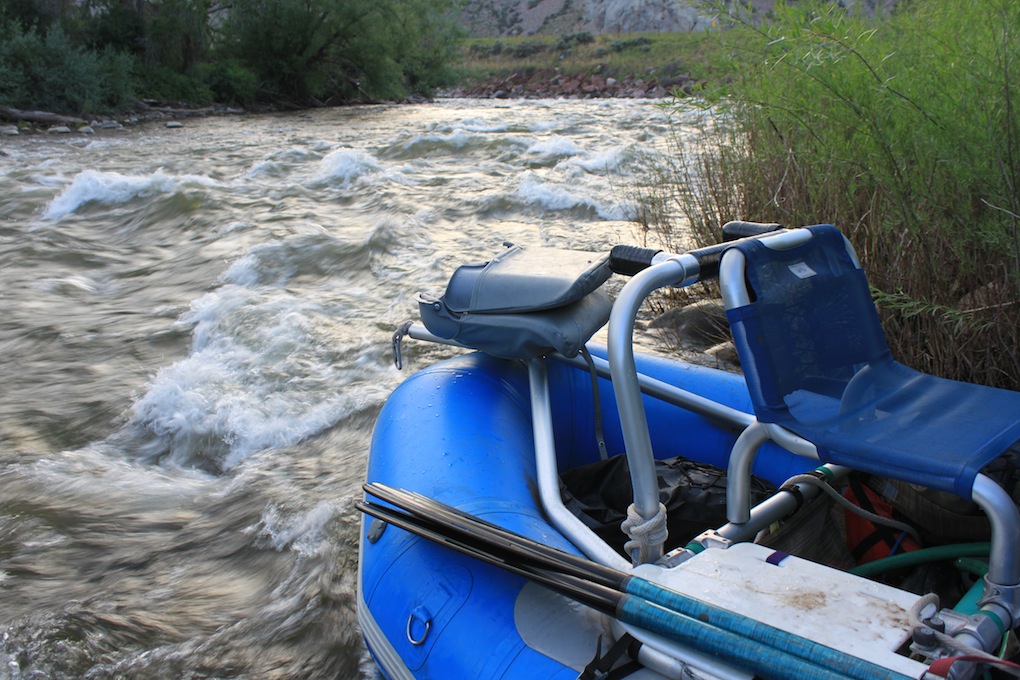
pixel 398 336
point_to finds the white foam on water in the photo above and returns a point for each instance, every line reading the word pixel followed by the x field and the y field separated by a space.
pixel 344 166
pixel 69 284
pixel 609 161
pixel 297 154
pixel 303 533
pixel 265 372
pixel 452 140
pixel 93 186
pixel 534 191
pixel 244 271
pixel 457 139
pixel 477 125
pixel 49 180
pixel 543 126
pixel 554 147
pixel 279 163
pixel 267 169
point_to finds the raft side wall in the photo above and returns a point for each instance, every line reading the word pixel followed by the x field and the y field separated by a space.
pixel 461 432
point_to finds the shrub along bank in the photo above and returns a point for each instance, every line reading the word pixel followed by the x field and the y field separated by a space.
pixel 901 130
pixel 102 56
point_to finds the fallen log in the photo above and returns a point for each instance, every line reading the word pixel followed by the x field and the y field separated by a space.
pixel 41 117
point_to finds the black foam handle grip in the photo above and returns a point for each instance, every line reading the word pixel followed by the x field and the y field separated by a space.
pixel 709 257
pixel 737 229
pixel 629 260
pixel 708 260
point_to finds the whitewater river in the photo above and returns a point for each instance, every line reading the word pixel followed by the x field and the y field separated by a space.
pixel 195 339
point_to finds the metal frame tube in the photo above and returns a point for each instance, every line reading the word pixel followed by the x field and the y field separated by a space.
pixel 775 508
pixel 727 416
pixel 738 472
pixel 1004 560
pixel 1003 563
pixel 624 372
pixel 548 475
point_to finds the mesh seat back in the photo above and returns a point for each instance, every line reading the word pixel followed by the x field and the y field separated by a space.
pixel 810 327
pixel 817 363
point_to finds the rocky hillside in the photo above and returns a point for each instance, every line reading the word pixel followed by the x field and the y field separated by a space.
pixel 497 18
pixel 504 18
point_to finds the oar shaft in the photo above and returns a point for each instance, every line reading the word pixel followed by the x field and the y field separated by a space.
pixel 473 526
pixel 513 546
pixel 601 598
pixel 742 652
pixel 750 655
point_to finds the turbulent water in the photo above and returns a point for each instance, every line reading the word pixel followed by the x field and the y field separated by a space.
pixel 194 342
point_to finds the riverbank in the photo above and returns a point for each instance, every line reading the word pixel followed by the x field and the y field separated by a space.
pixel 531 83
pixel 582 65
pixel 572 66
pixel 34 122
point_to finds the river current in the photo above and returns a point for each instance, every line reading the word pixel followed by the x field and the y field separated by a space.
pixel 195 341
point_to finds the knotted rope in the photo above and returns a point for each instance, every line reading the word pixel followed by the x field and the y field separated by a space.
pixel 646 536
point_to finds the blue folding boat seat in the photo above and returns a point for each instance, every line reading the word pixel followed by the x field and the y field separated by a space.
pixel 823 382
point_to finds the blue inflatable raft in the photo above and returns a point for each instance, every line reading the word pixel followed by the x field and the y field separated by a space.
pixel 472 565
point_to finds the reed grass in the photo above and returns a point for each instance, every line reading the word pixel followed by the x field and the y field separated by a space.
pixel 901 130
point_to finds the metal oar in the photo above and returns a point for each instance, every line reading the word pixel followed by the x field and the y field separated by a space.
pixel 509 545
pixel 745 653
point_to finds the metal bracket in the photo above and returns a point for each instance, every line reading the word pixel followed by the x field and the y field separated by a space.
pixel 1003 597
pixel 712 539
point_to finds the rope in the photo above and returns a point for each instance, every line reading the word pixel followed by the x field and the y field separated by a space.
pixel 596 403
pixel 838 497
pixel 646 536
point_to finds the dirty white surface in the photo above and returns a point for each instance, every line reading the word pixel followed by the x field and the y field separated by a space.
pixel 845 612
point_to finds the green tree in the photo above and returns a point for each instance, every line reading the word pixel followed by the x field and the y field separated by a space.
pixel 340 50
pixel 115 25
pixel 425 37
pixel 176 33
pixel 92 55
pixel 30 13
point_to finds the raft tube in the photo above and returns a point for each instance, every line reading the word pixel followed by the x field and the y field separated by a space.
pixel 460 432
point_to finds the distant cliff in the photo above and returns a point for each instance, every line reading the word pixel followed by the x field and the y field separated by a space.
pixel 501 18
pixel 495 18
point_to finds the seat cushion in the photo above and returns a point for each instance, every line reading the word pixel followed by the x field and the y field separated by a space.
pixel 919 428
pixel 816 362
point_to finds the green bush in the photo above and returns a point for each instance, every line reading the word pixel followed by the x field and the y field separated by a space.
pixel 641 43
pixel 901 130
pixel 49 72
pixel 229 81
pixel 87 56
pixel 15 86
pixel 523 50
pixel 167 85
pixel 570 40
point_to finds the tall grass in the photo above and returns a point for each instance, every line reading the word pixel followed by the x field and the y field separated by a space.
pixel 902 130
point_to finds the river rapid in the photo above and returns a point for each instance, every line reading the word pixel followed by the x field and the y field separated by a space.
pixel 195 341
